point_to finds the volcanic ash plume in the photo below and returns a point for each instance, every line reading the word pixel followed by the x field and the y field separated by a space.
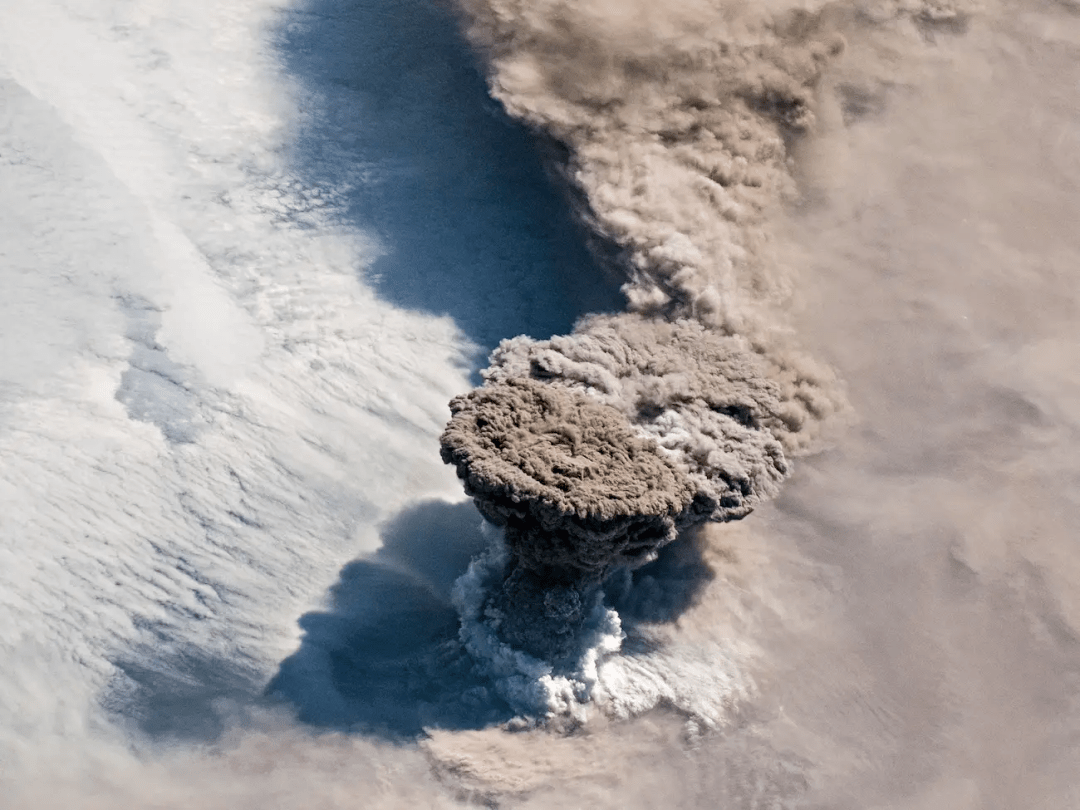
pixel 594 449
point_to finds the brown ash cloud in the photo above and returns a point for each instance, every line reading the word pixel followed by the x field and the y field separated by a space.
pixel 594 449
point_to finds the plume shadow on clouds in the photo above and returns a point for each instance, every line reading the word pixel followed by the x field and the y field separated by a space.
pixel 182 693
pixel 384 657
pixel 398 120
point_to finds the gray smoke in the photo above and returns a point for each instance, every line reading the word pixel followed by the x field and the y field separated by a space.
pixel 594 449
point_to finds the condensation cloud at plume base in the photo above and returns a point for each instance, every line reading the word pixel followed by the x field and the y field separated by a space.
pixel 593 451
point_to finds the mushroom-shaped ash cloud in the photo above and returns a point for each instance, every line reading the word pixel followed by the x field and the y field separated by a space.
pixel 593 450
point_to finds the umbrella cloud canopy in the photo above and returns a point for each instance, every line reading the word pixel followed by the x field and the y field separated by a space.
pixel 572 481
pixel 704 396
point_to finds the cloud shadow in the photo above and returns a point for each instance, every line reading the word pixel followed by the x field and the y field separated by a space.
pixel 396 119
pixel 175 692
pixel 384 657
pixel 664 589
